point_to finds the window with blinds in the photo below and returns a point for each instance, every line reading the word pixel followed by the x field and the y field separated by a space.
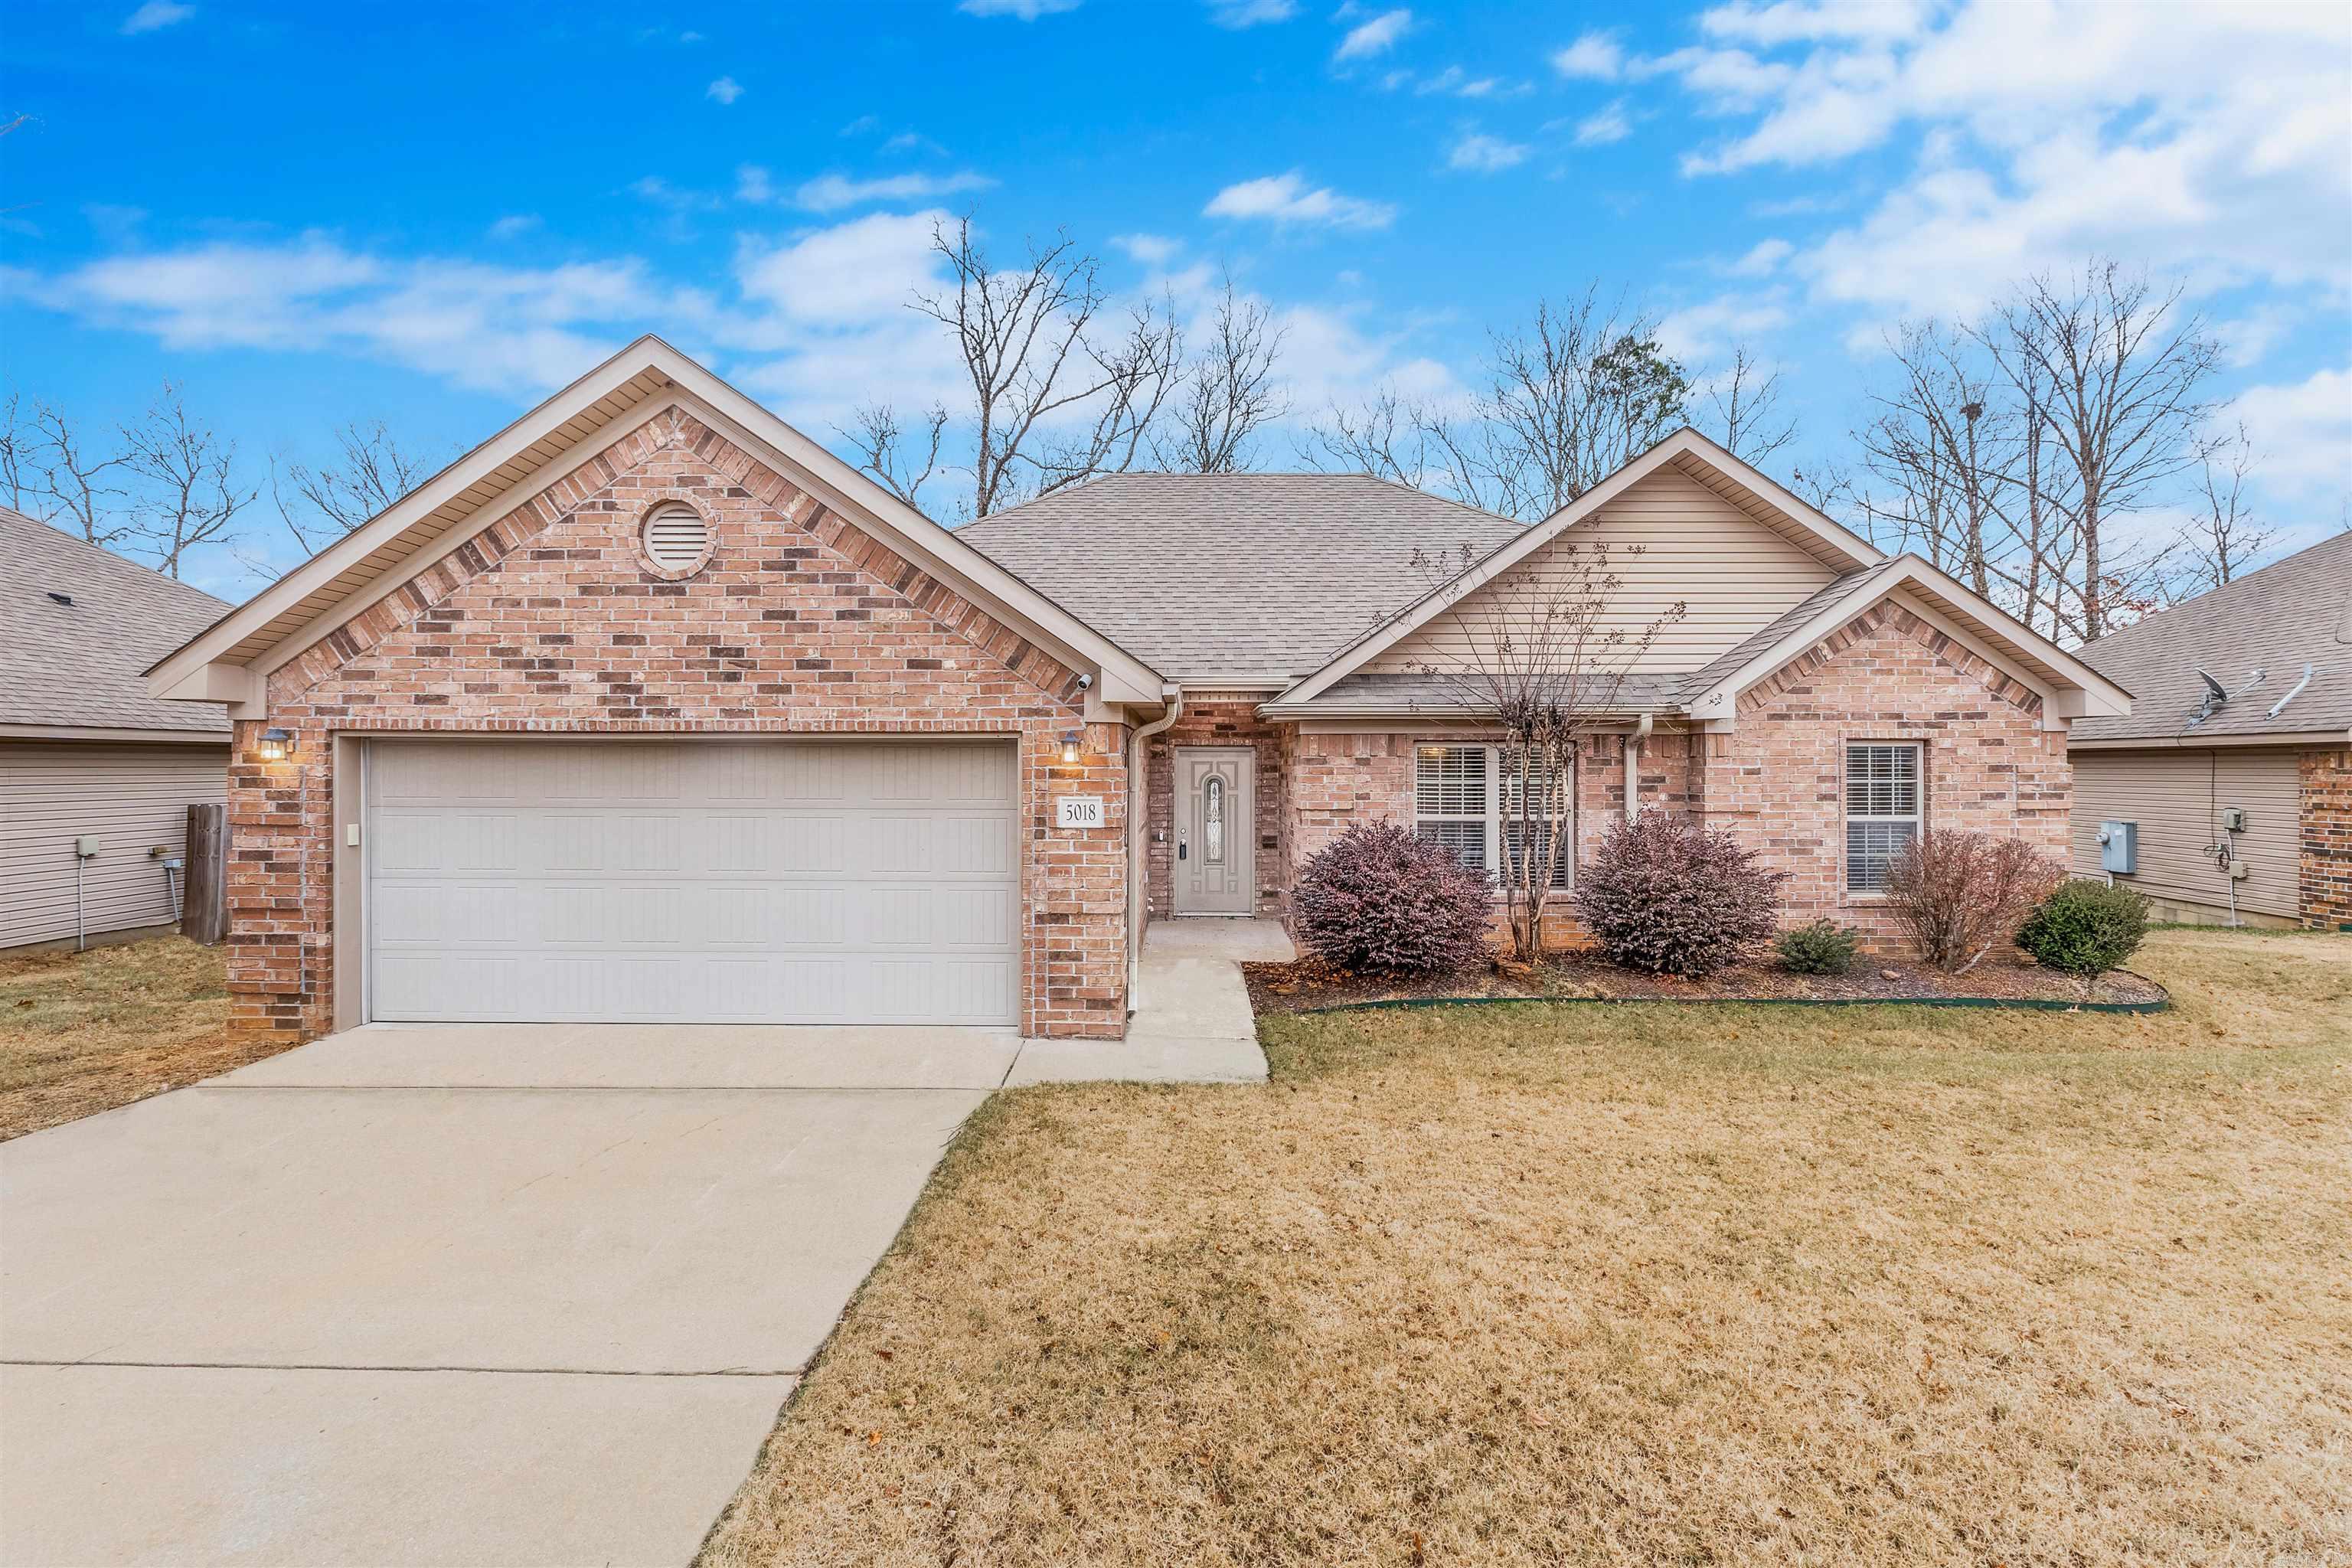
pixel 1882 810
pixel 1467 798
pixel 1450 797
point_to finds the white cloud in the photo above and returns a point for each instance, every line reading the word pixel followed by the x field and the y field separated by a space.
pixel 726 90
pixel 2303 432
pixel 1762 258
pixel 1251 13
pixel 1700 333
pixel 514 225
pixel 155 15
pixel 1486 154
pixel 1453 80
pixel 1595 57
pixel 495 328
pixel 1148 249
pixel 1375 36
pixel 754 184
pixel 831 192
pixel 1605 125
pixel 662 194
pixel 1027 10
pixel 1286 199
pixel 2210 145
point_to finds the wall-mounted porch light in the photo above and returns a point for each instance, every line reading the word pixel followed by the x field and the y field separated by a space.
pixel 277 745
pixel 1070 748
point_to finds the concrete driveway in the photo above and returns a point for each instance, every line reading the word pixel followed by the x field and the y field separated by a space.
pixel 420 1294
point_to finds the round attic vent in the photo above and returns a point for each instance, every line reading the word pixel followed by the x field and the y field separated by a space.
pixel 676 537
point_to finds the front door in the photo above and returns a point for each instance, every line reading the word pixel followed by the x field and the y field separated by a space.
pixel 1216 831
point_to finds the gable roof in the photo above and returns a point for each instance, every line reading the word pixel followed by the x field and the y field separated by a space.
pixel 2069 688
pixel 229 660
pixel 77 665
pixel 1685 451
pixel 2291 613
pixel 1243 579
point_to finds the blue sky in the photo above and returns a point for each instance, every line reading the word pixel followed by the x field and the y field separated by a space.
pixel 311 215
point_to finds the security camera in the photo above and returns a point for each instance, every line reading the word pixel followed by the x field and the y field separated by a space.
pixel 1085 681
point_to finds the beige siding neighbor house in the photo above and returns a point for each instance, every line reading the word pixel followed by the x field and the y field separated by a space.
pixel 2238 794
pixel 88 758
pixel 651 707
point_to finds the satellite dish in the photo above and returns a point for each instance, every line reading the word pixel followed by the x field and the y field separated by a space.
pixel 2215 692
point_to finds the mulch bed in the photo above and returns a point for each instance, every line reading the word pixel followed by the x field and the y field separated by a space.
pixel 1310 982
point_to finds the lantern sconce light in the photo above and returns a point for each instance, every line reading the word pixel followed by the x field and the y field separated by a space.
pixel 1070 748
pixel 277 745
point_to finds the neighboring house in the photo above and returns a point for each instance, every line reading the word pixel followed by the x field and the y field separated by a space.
pixel 2240 809
pixel 86 752
pixel 651 708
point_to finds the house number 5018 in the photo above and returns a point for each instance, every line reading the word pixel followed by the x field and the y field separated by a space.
pixel 1078 811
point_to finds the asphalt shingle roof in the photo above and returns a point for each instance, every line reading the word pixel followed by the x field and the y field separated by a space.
pixel 81 663
pixel 2291 613
pixel 1241 577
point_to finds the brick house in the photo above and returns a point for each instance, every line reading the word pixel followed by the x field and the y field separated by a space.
pixel 651 708
pixel 2240 810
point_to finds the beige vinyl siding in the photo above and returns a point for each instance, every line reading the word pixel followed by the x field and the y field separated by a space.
pixel 2177 797
pixel 1733 573
pixel 129 797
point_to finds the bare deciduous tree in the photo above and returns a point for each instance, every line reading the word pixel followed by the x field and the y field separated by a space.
pixel 2127 370
pixel 1938 445
pixel 1746 399
pixel 189 493
pixel 1059 395
pixel 2223 536
pixel 1226 393
pixel 1568 400
pixel 51 473
pixel 320 505
pixel 1540 657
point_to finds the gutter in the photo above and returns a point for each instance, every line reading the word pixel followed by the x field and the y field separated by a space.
pixel 1642 727
pixel 1138 794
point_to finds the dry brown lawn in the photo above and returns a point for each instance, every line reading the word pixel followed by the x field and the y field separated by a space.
pixel 82 1033
pixel 1592 1284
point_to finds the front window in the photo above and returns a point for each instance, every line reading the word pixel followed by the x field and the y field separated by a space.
pixel 1882 811
pixel 1467 798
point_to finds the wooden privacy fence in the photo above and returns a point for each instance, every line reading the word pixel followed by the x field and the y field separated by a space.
pixel 204 907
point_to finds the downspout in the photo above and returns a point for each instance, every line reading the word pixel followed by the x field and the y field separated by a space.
pixel 1642 727
pixel 1138 826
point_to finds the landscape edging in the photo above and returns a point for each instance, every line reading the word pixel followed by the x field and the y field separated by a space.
pixel 2023 1003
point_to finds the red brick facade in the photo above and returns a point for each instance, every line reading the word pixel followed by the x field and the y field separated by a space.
pixel 2324 879
pixel 1222 718
pixel 550 620
pixel 1776 778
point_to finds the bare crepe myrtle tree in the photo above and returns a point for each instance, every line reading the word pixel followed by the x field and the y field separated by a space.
pixel 1059 393
pixel 1537 656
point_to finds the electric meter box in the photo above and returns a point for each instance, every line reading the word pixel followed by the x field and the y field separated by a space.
pixel 2119 847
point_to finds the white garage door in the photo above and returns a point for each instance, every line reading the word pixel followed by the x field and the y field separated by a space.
pixel 770 881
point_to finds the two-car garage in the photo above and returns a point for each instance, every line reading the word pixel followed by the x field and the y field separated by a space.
pixel 722 880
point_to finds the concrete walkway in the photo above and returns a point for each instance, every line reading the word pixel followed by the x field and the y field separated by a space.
pixel 1193 1022
pixel 505 1294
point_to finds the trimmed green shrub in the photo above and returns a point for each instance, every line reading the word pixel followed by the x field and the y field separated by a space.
pixel 1669 897
pixel 1381 898
pixel 1823 947
pixel 2086 928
